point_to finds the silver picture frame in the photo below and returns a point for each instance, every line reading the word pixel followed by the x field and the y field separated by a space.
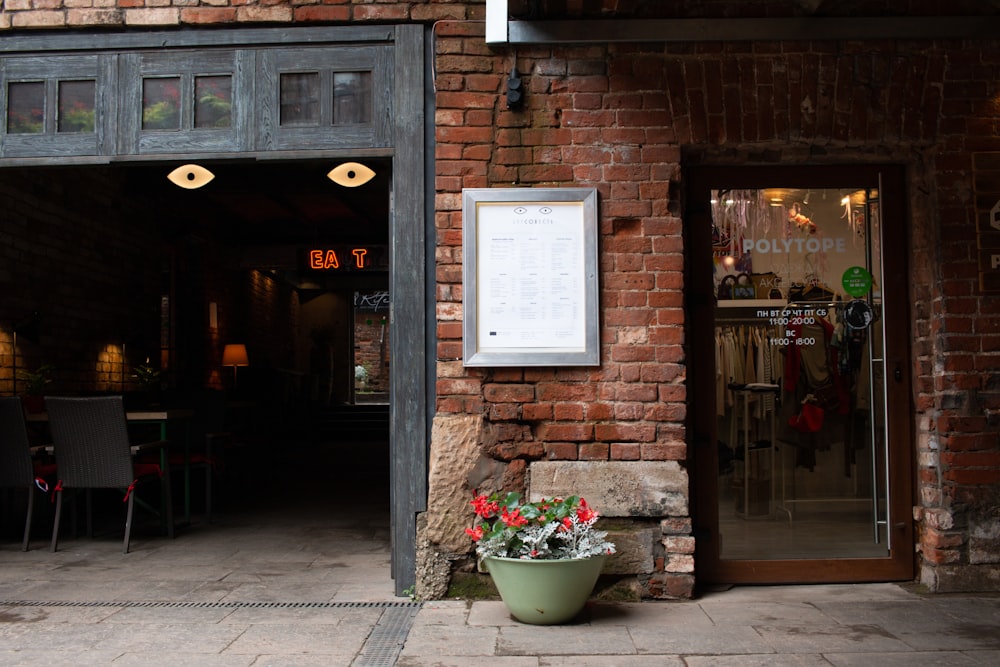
pixel 530 277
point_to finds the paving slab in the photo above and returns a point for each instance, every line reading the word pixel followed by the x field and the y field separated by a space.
pixel 925 624
pixel 338 644
pixel 758 660
pixel 765 613
pixel 610 661
pixel 687 640
pixel 451 640
pixel 580 640
pixel 936 658
pixel 58 658
pixel 463 661
pixel 830 638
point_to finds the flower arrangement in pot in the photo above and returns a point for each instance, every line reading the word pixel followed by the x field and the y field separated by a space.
pixel 147 377
pixel 544 556
pixel 36 384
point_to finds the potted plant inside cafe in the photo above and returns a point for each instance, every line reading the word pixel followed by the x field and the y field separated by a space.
pixel 36 382
pixel 149 380
pixel 544 556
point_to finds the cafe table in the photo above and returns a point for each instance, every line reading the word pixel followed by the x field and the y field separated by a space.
pixel 160 418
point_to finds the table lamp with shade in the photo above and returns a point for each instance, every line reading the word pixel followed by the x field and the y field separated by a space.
pixel 235 355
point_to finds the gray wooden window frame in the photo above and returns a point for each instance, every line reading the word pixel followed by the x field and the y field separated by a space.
pixel 186 65
pixel 398 131
pixel 255 126
pixel 271 64
pixel 51 71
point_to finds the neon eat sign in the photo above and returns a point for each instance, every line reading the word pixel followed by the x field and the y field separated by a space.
pixel 341 258
pixel 327 259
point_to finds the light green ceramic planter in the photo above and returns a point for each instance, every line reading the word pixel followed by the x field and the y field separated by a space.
pixel 545 592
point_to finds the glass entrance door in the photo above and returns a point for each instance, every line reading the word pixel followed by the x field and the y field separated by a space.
pixel 797 460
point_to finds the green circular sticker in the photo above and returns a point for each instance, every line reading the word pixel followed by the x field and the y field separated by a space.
pixel 857 281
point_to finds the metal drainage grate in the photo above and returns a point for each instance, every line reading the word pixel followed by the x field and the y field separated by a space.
pixel 404 604
pixel 387 638
pixel 381 648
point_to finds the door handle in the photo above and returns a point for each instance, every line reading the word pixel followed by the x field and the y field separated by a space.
pixel 898 373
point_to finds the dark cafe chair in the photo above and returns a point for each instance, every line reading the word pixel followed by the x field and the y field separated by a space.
pixel 93 451
pixel 17 468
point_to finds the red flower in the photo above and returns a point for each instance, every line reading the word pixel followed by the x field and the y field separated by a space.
pixel 475 533
pixel 484 507
pixel 567 524
pixel 513 519
pixel 584 512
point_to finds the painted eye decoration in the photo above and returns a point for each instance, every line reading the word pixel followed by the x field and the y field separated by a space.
pixel 190 176
pixel 351 174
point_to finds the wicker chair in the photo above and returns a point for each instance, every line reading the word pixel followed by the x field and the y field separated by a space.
pixel 93 451
pixel 205 443
pixel 17 470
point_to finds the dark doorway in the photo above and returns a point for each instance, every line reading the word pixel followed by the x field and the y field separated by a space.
pixel 124 268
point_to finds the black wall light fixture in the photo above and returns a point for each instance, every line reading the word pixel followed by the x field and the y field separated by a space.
pixel 515 91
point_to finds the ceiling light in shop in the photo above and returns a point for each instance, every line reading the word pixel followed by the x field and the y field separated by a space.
pixel 190 176
pixel 351 174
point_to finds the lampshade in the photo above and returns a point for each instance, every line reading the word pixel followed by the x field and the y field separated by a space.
pixel 235 355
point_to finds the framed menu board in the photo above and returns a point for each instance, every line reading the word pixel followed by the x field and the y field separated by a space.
pixel 530 277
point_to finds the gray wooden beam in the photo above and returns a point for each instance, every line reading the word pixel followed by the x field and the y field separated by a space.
pixel 763 29
pixel 257 37
pixel 408 325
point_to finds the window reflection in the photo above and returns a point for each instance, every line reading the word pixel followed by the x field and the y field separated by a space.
pixel 351 98
pixel 161 103
pixel 299 99
pixel 76 106
pixel 26 107
pixel 213 101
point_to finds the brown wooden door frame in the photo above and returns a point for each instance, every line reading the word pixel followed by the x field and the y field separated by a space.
pixel 899 565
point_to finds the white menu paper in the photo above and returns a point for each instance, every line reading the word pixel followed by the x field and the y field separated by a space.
pixel 531 266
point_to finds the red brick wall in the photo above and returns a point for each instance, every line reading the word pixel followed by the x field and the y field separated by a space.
pixel 616 118
pixel 371 350
pixel 582 126
pixel 26 14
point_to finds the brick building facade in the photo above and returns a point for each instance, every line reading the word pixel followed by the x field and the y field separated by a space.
pixel 630 119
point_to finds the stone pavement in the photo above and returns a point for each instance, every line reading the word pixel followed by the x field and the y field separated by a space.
pixel 298 577
pixel 233 594
pixel 869 624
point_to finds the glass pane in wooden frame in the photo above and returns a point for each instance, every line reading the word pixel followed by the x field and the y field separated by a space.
pixel 26 107
pixel 161 103
pixel 76 106
pixel 352 98
pixel 299 99
pixel 213 101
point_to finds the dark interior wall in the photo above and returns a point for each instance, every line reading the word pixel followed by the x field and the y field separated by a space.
pixel 77 250
pixel 93 259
